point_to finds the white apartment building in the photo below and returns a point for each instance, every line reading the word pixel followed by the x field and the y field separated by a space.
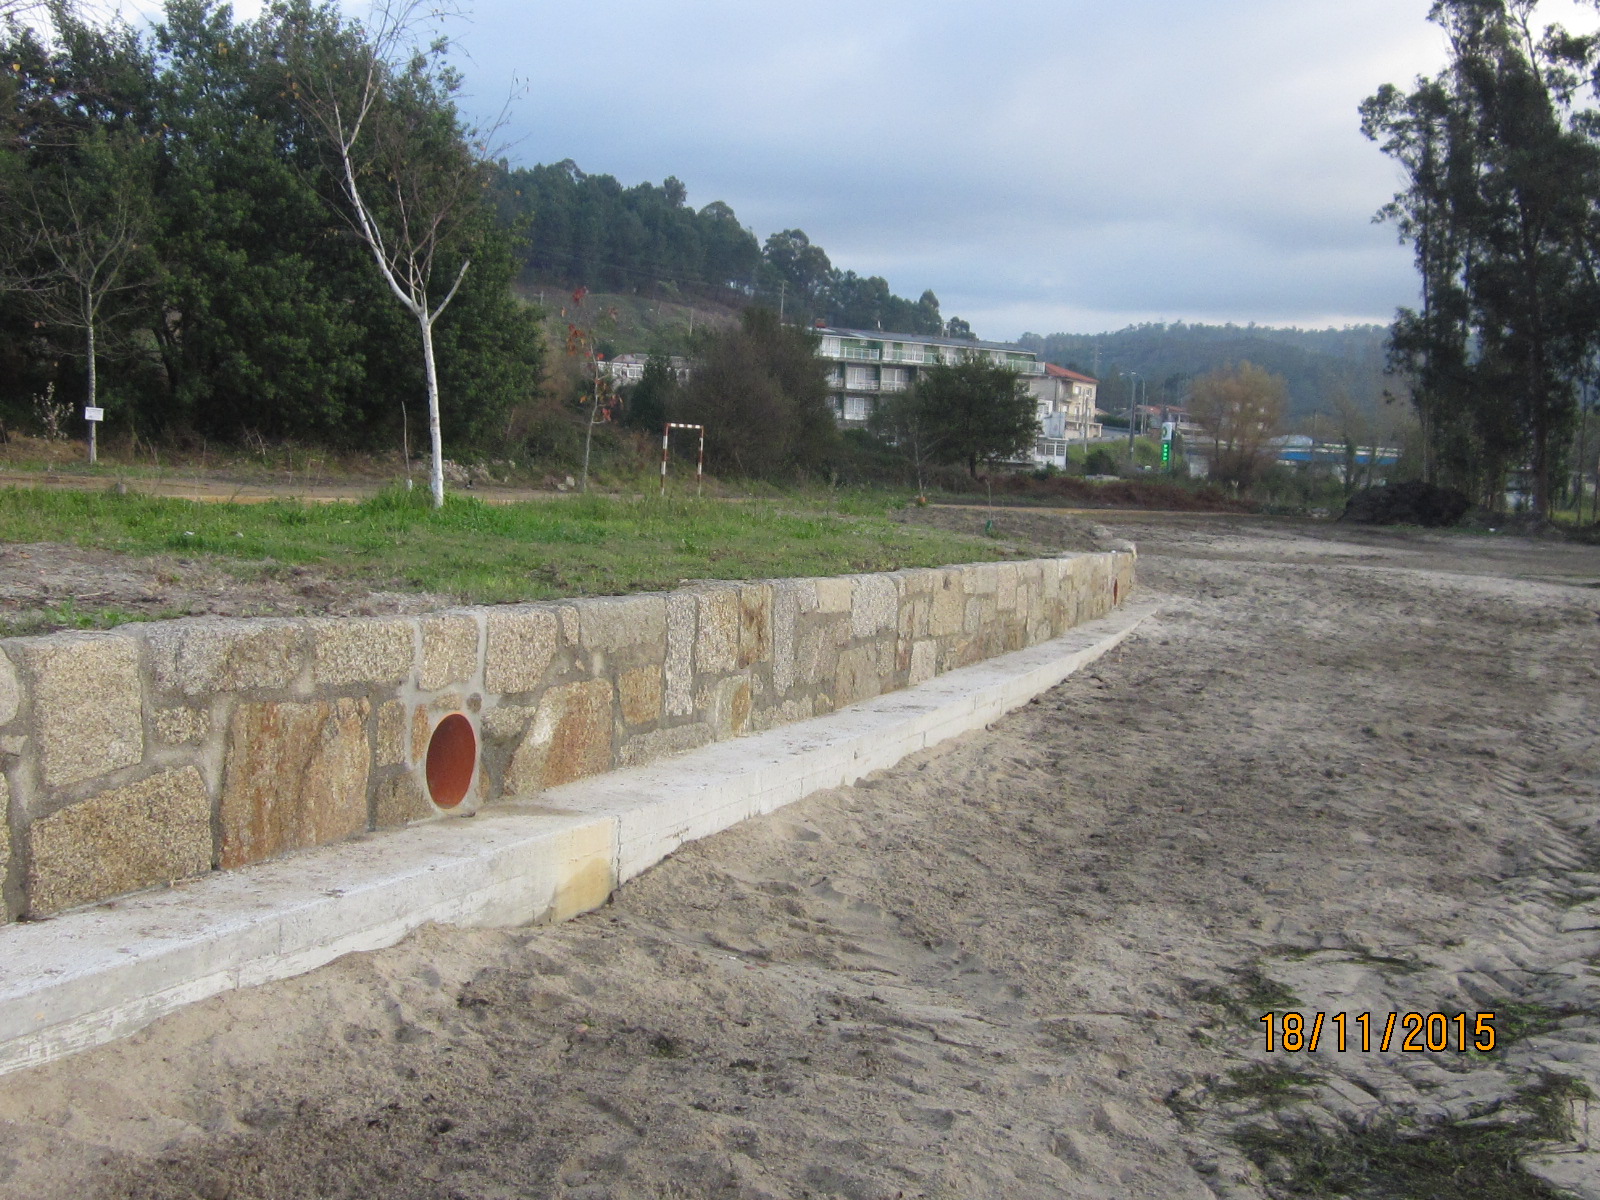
pixel 865 364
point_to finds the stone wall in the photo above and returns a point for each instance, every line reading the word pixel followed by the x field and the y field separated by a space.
pixel 155 753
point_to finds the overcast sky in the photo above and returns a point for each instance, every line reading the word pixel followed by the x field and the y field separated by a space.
pixel 1042 165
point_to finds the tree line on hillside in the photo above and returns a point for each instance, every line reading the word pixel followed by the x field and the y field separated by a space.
pixel 590 230
pixel 176 212
pixel 189 239
pixel 1323 369
pixel 1502 205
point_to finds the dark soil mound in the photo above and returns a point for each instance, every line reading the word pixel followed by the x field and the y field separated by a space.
pixel 1413 503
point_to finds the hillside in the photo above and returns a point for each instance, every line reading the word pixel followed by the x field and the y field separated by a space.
pixel 624 323
pixel 1320 365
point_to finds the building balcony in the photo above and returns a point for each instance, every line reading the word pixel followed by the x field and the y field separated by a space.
pixel 861 385
pixel 893 385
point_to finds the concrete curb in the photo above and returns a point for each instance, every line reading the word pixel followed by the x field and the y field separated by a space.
pixel 94 975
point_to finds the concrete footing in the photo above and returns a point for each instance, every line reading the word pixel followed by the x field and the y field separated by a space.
pixel 90 976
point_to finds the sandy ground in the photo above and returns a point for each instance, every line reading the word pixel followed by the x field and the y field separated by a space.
pixel 1359 768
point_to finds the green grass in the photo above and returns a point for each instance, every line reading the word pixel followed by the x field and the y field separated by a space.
pixel 482 553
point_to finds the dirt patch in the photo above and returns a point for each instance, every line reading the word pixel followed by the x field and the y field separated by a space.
pixel 1339 773
pixel 47 586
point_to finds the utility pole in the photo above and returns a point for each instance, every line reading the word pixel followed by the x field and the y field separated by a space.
pixel 1133 392
pixel 783 291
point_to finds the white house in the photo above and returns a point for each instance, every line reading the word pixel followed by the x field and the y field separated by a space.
pixel 1067 412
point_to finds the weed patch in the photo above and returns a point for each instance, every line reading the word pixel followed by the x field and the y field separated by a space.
pixel 1265 1084
pixel 1461 1161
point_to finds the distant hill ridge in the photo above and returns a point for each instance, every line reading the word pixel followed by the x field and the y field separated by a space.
pixel 1322 366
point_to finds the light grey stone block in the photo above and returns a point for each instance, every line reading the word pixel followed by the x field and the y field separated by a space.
pixel 521 643
pixel 612 623
pixel 680 654
pixel 200 658
pixel 874 607
pixel 370 650
pixel 449 650
pixel 151 832
pixel 86 704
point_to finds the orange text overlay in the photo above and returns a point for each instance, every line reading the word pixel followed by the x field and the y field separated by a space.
pixel 1409 1033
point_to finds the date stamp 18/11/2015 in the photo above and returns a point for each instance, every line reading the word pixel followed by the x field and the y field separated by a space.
pixel 1409 1033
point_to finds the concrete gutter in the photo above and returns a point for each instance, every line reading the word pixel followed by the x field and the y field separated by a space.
pixel 93 975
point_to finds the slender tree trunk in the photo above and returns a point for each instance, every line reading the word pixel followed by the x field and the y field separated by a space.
pixel 94 426
pixel 436 441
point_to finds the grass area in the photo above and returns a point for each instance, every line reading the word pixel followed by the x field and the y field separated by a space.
pixel 481 553
pixel 1470 1160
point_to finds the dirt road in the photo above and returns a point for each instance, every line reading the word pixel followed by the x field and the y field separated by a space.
pixel 1342 773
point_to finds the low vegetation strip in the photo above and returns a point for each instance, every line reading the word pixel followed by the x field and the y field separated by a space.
pixel 484 554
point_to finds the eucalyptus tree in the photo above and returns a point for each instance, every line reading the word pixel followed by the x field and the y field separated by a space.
pixel 1503 187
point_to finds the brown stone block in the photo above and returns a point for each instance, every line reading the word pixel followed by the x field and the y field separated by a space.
pixel 755 624
pixel 449 650
pixel 730 708
pixel 296 776
pixel 570 738
pixel 136 836
pixel 363 650
pixel 521 643
pixel 640 693
pixel 86 704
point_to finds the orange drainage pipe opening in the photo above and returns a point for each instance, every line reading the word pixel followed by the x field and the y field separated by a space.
pixel 452 755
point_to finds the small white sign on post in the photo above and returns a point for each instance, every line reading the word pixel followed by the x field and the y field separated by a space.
pixel 94 414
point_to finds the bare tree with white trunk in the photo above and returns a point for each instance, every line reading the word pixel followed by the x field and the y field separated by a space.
pixel 410 175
